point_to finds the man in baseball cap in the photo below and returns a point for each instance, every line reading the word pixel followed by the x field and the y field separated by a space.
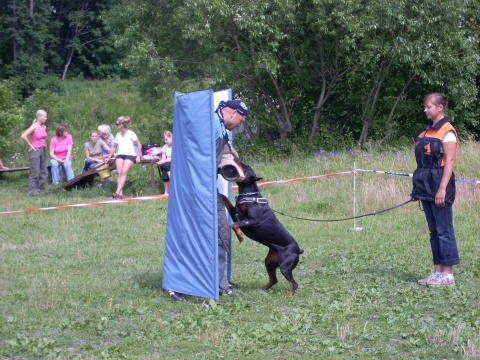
pixel 231 114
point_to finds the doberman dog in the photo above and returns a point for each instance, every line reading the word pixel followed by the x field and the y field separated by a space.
pixel 253 216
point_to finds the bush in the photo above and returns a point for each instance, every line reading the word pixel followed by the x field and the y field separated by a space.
pixel 11 114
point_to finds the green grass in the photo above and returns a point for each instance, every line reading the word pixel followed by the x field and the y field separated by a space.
pixel 85 283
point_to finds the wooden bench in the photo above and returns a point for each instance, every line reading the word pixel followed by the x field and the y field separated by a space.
pixel 85 179
pixel 26 168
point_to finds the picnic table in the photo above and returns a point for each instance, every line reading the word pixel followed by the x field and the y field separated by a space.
pixel 87 178
pixel 153 165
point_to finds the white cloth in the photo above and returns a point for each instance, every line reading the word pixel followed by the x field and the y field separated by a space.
pixel 126 144
pixel 449 136
pixel 167 150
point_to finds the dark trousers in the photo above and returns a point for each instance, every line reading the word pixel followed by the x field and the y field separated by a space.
pixel 165 169
pixel 38 170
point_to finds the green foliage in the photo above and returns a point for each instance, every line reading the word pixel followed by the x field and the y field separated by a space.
pixel 28 42
pixel 37 40
pixel 323 72
pixel 353 68
pixel 83 106
pixel 11 114
pixel 87 104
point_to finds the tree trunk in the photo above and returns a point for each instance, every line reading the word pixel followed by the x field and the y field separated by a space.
pixel 372 99
pixel 390 116
pixel 67 63
pixel 282 117
pixel 59 11
pixel 14 8
pixel 282 113
pixel 329 72
pixel 31 16
pixel 321 98
pixel 77 30
pixel 69 54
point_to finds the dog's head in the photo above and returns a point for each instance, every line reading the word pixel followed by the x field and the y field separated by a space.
pixel 249 184
pixel 250 175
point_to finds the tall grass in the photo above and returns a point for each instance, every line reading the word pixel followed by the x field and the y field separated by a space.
pixel 85 283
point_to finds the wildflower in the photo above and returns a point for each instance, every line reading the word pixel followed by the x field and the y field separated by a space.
pixel 332 154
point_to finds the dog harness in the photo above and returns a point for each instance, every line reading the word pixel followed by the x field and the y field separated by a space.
pixel 244 200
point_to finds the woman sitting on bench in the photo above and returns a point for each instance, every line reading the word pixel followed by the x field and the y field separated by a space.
pixel 61 154
pixel 166 159
pixel 94 151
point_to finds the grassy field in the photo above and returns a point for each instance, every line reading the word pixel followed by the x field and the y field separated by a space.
pixel 85 283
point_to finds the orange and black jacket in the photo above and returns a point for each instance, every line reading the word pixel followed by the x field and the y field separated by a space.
pixel 430 162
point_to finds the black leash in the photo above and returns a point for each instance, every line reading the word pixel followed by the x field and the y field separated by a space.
pixel 349 218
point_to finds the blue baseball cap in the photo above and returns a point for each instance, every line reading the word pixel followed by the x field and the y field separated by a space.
pixel 239 106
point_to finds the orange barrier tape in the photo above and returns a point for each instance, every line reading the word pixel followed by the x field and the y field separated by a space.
pixel 151 197
pixel 95 203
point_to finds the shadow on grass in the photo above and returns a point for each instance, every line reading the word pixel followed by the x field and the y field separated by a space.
pixel 149 280
pixel 402 276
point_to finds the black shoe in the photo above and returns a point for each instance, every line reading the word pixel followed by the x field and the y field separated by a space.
pixel 175 296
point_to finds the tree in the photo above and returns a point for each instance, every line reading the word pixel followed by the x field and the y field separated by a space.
pixel 26 39
pixel 85 42
pixel 44 37
pixel 352 68
pixel 11 113
pixel 411 42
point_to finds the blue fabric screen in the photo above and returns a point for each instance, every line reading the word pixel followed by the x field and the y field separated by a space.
pixel 191 245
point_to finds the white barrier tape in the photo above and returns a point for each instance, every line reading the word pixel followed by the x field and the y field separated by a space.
pixel 411 175
pixel 386 172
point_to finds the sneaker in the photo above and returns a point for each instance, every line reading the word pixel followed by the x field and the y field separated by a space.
pixel 442 280
pixel 424 282
pixel 229 291
pixel 175 296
